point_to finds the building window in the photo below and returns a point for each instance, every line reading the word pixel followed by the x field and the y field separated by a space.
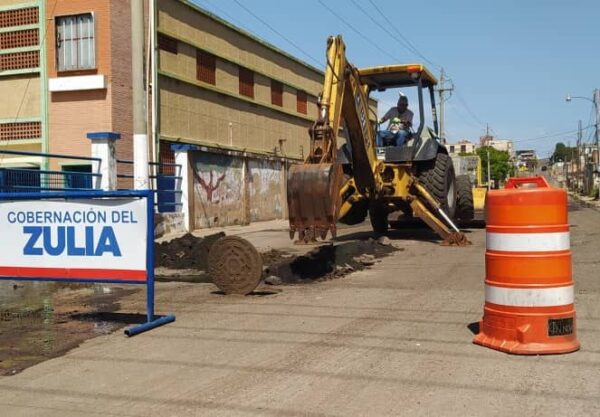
pixel 75 43
pixel 167 43
pixel 463 148
pixel 246 82
pixel 206 65
pixel 276 93
pixel 301 102
pixel 451 148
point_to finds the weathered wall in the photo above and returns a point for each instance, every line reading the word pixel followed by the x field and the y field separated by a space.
pixel 218 190
pixel 236 189
pixel 265 186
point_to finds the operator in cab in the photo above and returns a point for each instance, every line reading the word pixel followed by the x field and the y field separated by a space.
pixel 400 121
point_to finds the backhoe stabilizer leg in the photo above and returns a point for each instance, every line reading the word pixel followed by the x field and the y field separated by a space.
pixel 452 235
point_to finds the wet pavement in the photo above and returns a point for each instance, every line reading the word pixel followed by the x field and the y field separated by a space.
pixel 42 320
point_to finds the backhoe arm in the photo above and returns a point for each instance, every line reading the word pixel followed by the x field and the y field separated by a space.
pixel 314 187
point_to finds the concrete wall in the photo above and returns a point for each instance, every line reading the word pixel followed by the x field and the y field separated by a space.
pixel 219 191
pixel 236 189
pixel 266 190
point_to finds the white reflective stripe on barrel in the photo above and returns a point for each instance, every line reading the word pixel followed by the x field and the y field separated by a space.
pixel 528 242
pixel 530 297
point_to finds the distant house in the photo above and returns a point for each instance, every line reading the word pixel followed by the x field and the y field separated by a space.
pixel 462 147
pixel 504 145
pixel 526 159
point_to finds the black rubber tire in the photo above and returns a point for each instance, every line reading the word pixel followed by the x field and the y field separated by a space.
pixel 378 214
pixel 465 208
pixel 357 214
pixel 437 176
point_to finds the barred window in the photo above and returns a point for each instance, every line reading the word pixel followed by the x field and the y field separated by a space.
pixel 301 102
pixel 246 82
pixel 276 93
pixel 75 43
pixel 206 65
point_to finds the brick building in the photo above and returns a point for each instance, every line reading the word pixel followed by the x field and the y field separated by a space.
pixel 239 105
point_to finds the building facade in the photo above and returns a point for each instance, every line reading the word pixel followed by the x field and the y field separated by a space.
pixel 462 147
pixel 503 145
pixel 65 71
pixel 23 108
pixel 239 106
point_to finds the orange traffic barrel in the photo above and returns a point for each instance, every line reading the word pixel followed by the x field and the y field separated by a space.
pixel 529 293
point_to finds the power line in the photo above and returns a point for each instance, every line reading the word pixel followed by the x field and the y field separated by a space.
pixel 223 12
pixel 345 22
pixel 406 42
pixel 288 40
pixel 382 26
pixel 552 135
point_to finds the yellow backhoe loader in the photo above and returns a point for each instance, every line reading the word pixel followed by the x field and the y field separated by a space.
pixel 360 179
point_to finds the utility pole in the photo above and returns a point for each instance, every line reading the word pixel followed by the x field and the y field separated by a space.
pixel 140 127
pixel 597 107
pixel 489 175
pixel 579 164
pixel 442 90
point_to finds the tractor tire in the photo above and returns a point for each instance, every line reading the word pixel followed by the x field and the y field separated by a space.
pixel 378 214
pixel 437 176
pixel 357 214
pixel 465 208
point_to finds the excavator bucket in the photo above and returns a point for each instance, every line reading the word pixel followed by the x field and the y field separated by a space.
pixel 313 195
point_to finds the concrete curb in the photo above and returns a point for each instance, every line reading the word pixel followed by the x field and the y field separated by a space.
pixel 589 204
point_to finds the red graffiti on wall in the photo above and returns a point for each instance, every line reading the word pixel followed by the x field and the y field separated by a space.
pixel 210 187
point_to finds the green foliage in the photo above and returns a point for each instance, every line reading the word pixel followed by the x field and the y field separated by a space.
pixel 563 153
pixel 500 165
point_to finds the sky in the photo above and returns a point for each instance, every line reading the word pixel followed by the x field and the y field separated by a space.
pixel 512 62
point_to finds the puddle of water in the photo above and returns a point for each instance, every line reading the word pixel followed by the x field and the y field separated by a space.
pixel 42 320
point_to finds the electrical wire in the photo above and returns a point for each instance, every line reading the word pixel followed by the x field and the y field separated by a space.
pixel 288 40
pixel 552 135
pixel 351 27
pixel 406 42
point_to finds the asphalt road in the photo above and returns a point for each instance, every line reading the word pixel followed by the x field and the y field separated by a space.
pixel 389 341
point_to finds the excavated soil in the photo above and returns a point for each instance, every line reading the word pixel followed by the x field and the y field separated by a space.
pixel 329 261
pixel 186 252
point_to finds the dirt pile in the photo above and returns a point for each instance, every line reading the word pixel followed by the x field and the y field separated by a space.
pixel 330 261
pixel 186 252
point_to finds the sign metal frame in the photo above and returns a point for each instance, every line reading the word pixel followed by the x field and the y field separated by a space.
pixel 151 320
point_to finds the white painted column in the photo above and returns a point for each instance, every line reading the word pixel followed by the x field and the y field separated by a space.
pixel 181 158
pixel 103 147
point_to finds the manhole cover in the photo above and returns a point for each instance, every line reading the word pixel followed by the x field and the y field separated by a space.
pixel 235 265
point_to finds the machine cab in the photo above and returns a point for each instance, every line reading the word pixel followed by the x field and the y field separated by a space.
pixel 423 142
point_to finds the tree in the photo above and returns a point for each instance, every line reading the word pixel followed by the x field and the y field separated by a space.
pixel 501 166
pixel 562 153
